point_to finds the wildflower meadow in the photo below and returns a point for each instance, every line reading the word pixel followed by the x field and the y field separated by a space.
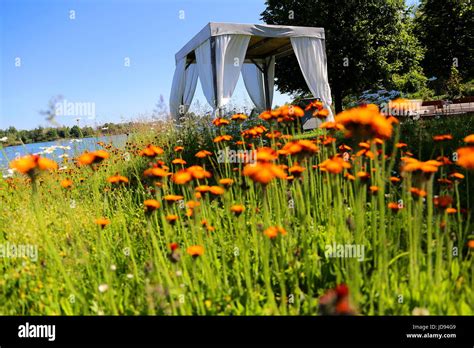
pixel 243 215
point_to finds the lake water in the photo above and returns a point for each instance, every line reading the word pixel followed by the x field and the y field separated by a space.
pixel 56 149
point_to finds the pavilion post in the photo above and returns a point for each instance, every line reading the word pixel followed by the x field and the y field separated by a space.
pixel 214 73
pixel 268 104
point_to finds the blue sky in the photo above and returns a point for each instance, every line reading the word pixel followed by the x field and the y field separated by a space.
pixel 83 59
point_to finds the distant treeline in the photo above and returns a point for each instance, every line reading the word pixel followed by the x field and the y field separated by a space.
pixel 43 134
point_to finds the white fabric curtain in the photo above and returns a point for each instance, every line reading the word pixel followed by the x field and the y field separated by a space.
pixel 230 56
pixel 183 88
pixel 312 60
pixel 177 87
pixel 204 68
pixel 254 81
pixel 191 77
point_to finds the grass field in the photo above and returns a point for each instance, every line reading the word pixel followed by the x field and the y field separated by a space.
pixel 153 229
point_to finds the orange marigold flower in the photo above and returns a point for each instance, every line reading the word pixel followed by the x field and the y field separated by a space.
pixel 466 157
pixel 198 172
pixel 315 104
pixel 237 209
pixel 216 190
pixel 202 188
pixel 195 250
pixel 173 198
pixel 151 151
pixel 363 175
pixel 273 232
pixel 193 204
pixel 442 137
pixel 365 121
pixel 331 126
pixel 203 154
pixel 470 244
pixel 226 181
pixel 400 145
pixel 182 177
pixel 394 179
pixel 239 117
pixel 374 189
pixel 394 206
pixel 321 114
pixel 457 176
pixel 254 132
pixel 296 170
pixel 469 139
pixel 174 246
pixel 304 147
pixel 451 210
pixel 349 177
pixel 66 183
pixel 178 161
pixel 265 154
pixel 151 205
pixel 156 172
pixel 263 172
pixel 102 222
pixel 220 122
pixel 117 179
pixel 334 165
pixel 28 164
pixel 171 218
pixel 414 165
pixel 418 192
pixel 178 148
pixel 221 138
pixel 442 202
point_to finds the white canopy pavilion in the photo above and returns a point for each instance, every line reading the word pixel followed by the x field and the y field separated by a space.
pixel 221 51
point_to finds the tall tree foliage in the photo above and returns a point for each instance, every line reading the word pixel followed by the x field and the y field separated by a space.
pixel 446 30
pixel 368 43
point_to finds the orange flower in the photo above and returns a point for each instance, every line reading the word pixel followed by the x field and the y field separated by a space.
pixel 178 161
pixel 216 190
pixel 89 158
pixel 221 138
pixel 296 170
pixel 363 175
pixel 263 172
pixel 451 210
pixel 442 202
pixel 182 177
pixel 151 151
pixel 31 163
pixel 400 145
pixel 273 231
pixel 151 205
pixel 195 250
pixel 394 179
pixel 304 147
pixel 470 244
pixel 156 172
pixel 66 183
pixel 220 122
pixel 239 117
pixel 466 157
pixel 365 121
pixel 254 132
pixel 202 188
pixel 414 165
pixel 266 154
pixel 418 192
pixel 442 137
pixel 172 219
pixel 331 126
pixel 203 154
pixel 178 148
pixel 321 114
pixel 173 198
pixel 174 246
pixel 374 189
pixel 457 176
pixel 117 179
pixel 469 139
pixel 192 204
pixel 237 209
pixel 198 172
pixel 394 206
pixel 315 104
pixel 102 222
pixel 334 165
pixel 226 182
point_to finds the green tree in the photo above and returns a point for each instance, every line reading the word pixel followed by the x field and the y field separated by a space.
pixel 75 132
pixel 368 43
pixel 445 29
